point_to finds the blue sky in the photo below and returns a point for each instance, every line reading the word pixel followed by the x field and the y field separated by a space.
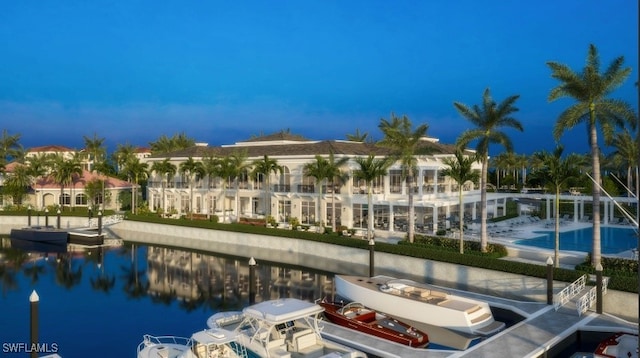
pixel 221 72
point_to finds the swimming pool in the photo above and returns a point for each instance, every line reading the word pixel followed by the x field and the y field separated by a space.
pixel 613 240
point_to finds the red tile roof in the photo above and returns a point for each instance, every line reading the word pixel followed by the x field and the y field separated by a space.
pixel 80 182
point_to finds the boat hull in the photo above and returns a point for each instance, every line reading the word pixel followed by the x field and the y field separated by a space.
pixel 40 234
pixel 441 309
pixel 375 324
pixel 86 238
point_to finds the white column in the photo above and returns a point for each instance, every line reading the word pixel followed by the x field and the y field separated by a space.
pixel 575 210
pixel 606 211
pixel 548 202
pixel 391 219
pixel 435 219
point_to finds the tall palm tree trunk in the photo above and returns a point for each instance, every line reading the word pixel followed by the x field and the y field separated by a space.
pixel 370 235
pixel 483 206
pixel 460 216
pixel 411 221
pixel 556 216
pixel 596 255
pixel 333 207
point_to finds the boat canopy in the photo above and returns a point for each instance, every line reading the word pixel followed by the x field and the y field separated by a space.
pixel 283 310
pixel 214 336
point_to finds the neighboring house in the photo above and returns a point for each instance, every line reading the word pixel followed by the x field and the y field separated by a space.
pixel 45 192
pixel 294 195
pixel 142 153
pixel 66 152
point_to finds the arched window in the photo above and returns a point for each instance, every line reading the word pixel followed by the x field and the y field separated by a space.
pixel 65 199
pixel 81 199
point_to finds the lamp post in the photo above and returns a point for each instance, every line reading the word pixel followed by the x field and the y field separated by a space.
pixel 29 215
pixel 58 219
pixel 372 245
pixel 599 289
pixel 34 301
pixel 46 217
pixel 252 281
pixel 549 280
pixel 100 222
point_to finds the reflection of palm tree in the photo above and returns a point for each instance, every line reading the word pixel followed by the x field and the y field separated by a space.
pixel 134 287
pixel 164 297
pixel 8 279
pixel 34 271
pixel 65 274
pixel 9 269
pixel 103 282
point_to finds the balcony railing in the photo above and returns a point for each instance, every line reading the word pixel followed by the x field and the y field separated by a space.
pixel 282 188
pixel 306 188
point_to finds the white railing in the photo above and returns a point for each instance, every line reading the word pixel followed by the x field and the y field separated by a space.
pixel 570 292
pixel 586 301
pixel 107 220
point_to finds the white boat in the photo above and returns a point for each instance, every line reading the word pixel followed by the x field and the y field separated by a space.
pixel 618 345
pixel 419 302
pixel 282 328
pixel 209 343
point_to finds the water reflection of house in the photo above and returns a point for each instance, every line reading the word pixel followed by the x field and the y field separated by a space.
pixel 193 275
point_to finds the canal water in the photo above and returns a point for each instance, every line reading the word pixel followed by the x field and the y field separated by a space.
pixel 100 301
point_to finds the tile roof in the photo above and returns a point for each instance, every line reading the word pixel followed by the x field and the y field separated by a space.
pixel 303 148
pixel 79 182
pixel 50 148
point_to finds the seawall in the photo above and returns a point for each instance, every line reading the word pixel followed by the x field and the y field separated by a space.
pixel 356 261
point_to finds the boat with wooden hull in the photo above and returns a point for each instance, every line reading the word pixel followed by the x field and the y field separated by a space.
pixel 618 345
pixel 282 328
pixel 45 234
pixel 408 299
pixel 356 316
pixel 209 343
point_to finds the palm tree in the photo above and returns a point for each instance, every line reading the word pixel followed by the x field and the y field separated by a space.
pixel 625 154
pixel 461 170
pixel 357 136
pixel 404 145
pixel 122 155
pixel 265 167
pixel 39 165
pixel 10 147
pixel 95 150
pixel 226 170
pixel 487 118
pixel 555 173
pixel 590 89
pixel 335 174
pixel 63 173
pixel 166 170
pixel 319 170
pixel 238 161
pixel 17 183
pixel 165 144
pixel 138 171
pixel 370 169
pixel 210 165
pixel 192 170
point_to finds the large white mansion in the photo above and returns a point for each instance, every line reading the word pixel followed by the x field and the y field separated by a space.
pixel 293 194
